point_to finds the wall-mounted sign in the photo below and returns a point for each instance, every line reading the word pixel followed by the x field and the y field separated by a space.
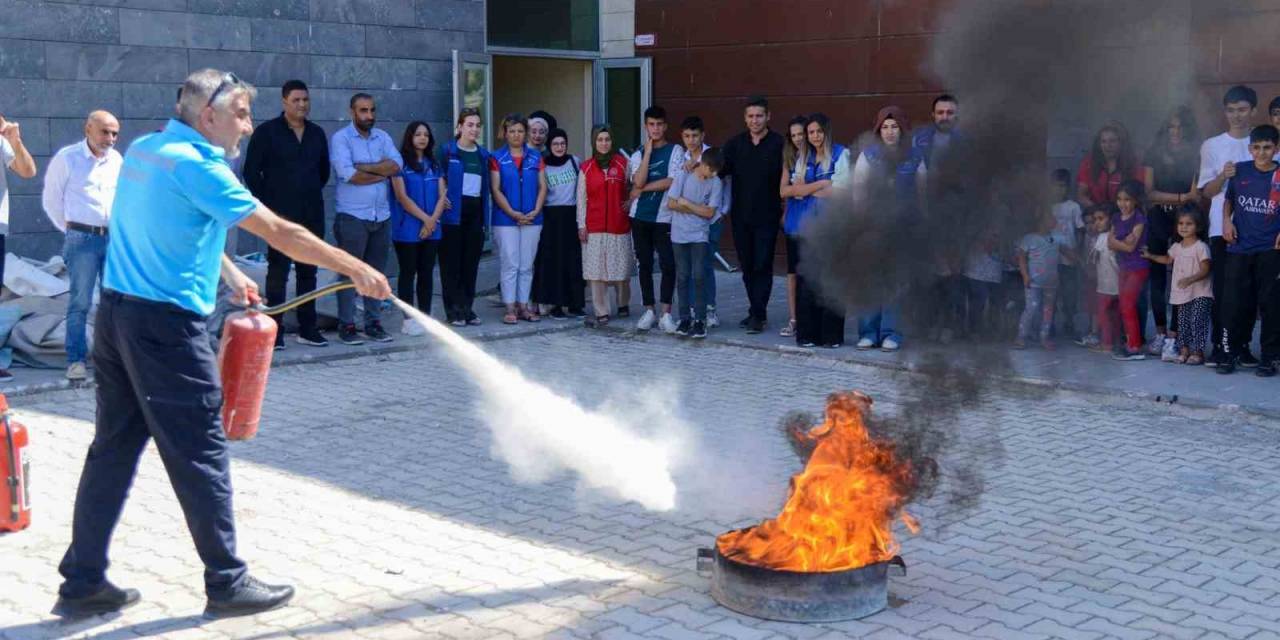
pixel 645 40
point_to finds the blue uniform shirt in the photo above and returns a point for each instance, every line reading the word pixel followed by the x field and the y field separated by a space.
pixel 176 198
pixel 1253 195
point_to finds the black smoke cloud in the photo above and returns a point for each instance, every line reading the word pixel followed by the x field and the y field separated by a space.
pixel 1029 75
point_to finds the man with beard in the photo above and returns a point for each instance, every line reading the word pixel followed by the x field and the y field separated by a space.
pixel 364 158
pixel 156 372
pixel 937 136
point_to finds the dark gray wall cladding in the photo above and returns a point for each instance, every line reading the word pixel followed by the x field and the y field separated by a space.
pixel 59 60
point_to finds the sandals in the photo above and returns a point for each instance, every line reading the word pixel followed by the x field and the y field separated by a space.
pixel 600 321
pixel 1195 359
pixel 531 317
pixel 510 318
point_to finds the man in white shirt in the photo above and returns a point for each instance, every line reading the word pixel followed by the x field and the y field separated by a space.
pixel 79 187
pixel 1218 158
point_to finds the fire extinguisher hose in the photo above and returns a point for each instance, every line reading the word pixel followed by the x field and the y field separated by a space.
pixel 305 298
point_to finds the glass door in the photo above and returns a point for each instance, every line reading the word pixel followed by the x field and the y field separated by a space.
pixel 473 87
pixel 622 92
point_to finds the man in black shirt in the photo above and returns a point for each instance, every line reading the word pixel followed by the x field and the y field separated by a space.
pixel 753 159
pixel 286 167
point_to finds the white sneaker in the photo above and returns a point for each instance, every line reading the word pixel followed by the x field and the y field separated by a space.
pixel 889 344
pixel 713 320
pixel 668 324
pixel 1170 352
pixel 1156 345
pixel 865 343
pixel 411 328
pixel 77 371
pixel 647 320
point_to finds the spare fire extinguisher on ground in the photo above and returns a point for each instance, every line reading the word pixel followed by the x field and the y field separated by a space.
pixel 15 472
pixel 244 360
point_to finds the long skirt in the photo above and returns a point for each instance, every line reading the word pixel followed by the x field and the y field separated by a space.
pixel 608 257
pixel 557 271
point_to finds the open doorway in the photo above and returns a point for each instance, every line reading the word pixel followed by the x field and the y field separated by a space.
pixel 559 86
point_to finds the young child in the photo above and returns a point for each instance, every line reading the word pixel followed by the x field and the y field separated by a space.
pixel 1070 221
pixel 1106 278
pixel 1038 256
pixel 1128 233
pixel 1191 293
pixel 694 201
pixel 982 271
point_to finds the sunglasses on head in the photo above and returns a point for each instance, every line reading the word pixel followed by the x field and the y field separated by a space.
pixel 229 80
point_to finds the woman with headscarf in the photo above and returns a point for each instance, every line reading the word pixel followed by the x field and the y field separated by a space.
pixel 557 270
pixel 540 125
pixel 890 171
pixel 604 224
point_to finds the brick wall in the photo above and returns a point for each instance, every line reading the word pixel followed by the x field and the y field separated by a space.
pixel 58 61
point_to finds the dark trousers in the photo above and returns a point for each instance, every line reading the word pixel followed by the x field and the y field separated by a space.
pixel 1251 288
pixel 369 242
pixel 157 378
pixel 691 280
pixel 816 322
pixel 460 247
pixel 649 237
pixel 755 247
pixel 417 267
pixel 1159 295
pixel 278 271
pixel 982 307
pixel 1069 299
pixel 1217 273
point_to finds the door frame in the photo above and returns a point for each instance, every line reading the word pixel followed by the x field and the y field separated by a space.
pixel 599 98
pixel 460 60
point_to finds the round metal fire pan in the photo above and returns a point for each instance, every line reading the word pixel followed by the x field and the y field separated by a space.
pixel 798 596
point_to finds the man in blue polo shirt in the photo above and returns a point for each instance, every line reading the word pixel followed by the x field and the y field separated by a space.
pixel 1251 229
pixel 156 372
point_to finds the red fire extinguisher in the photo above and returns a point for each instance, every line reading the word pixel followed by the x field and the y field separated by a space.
pixel 244 360
pixel 15 471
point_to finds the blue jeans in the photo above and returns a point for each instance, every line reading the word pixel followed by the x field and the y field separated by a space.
pixel 709 262
pixel 84 253
pixel 369 242
pixel 689 280
pixel 879 324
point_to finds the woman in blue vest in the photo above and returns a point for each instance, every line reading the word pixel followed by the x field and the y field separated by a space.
pixel 888 176
pixel 465 164
pixel 519 186
pixel 416 210
pixel 818 322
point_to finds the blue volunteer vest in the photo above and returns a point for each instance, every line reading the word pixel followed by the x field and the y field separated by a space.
pixel 453 182
pixel 423 188
pixel 519 184
pixel 904 179
pixel 800 210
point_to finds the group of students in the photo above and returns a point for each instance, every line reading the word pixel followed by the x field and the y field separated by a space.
pixel 1191 233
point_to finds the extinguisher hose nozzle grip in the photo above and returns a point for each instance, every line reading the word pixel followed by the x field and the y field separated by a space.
pixel 304 298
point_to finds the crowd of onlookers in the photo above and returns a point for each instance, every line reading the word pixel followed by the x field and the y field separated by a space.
pixel 1185 233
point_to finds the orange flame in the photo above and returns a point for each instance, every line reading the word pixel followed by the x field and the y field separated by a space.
pixel 842 507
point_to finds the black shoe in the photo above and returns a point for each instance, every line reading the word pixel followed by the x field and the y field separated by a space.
pixel 311 337
pixel 280 340
pixel 745 323
pixel 1247 360
pixel 1265 370
pixel 699 329
pixel 347 334
pixel 683 328
pixel 376 333
pixel 105 600
pixel 624 311
pixel 473 319
pixel 756 326
pixel 557 313
pixel 1226 366
pixel 253 596
pixel 578 313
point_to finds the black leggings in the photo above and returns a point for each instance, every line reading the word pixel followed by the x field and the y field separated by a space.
pixel 417 265
pixel 649 237
pixel 460 247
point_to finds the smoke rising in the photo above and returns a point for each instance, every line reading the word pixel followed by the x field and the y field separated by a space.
pixel 1033 79
pixel 542 434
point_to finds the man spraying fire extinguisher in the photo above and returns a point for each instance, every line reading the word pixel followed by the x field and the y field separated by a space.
pixel 154 366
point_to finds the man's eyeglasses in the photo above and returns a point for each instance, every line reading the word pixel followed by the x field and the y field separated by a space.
pixel 229 80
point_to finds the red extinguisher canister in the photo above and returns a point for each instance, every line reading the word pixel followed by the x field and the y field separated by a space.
pixel 244 360
pixel 15 472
